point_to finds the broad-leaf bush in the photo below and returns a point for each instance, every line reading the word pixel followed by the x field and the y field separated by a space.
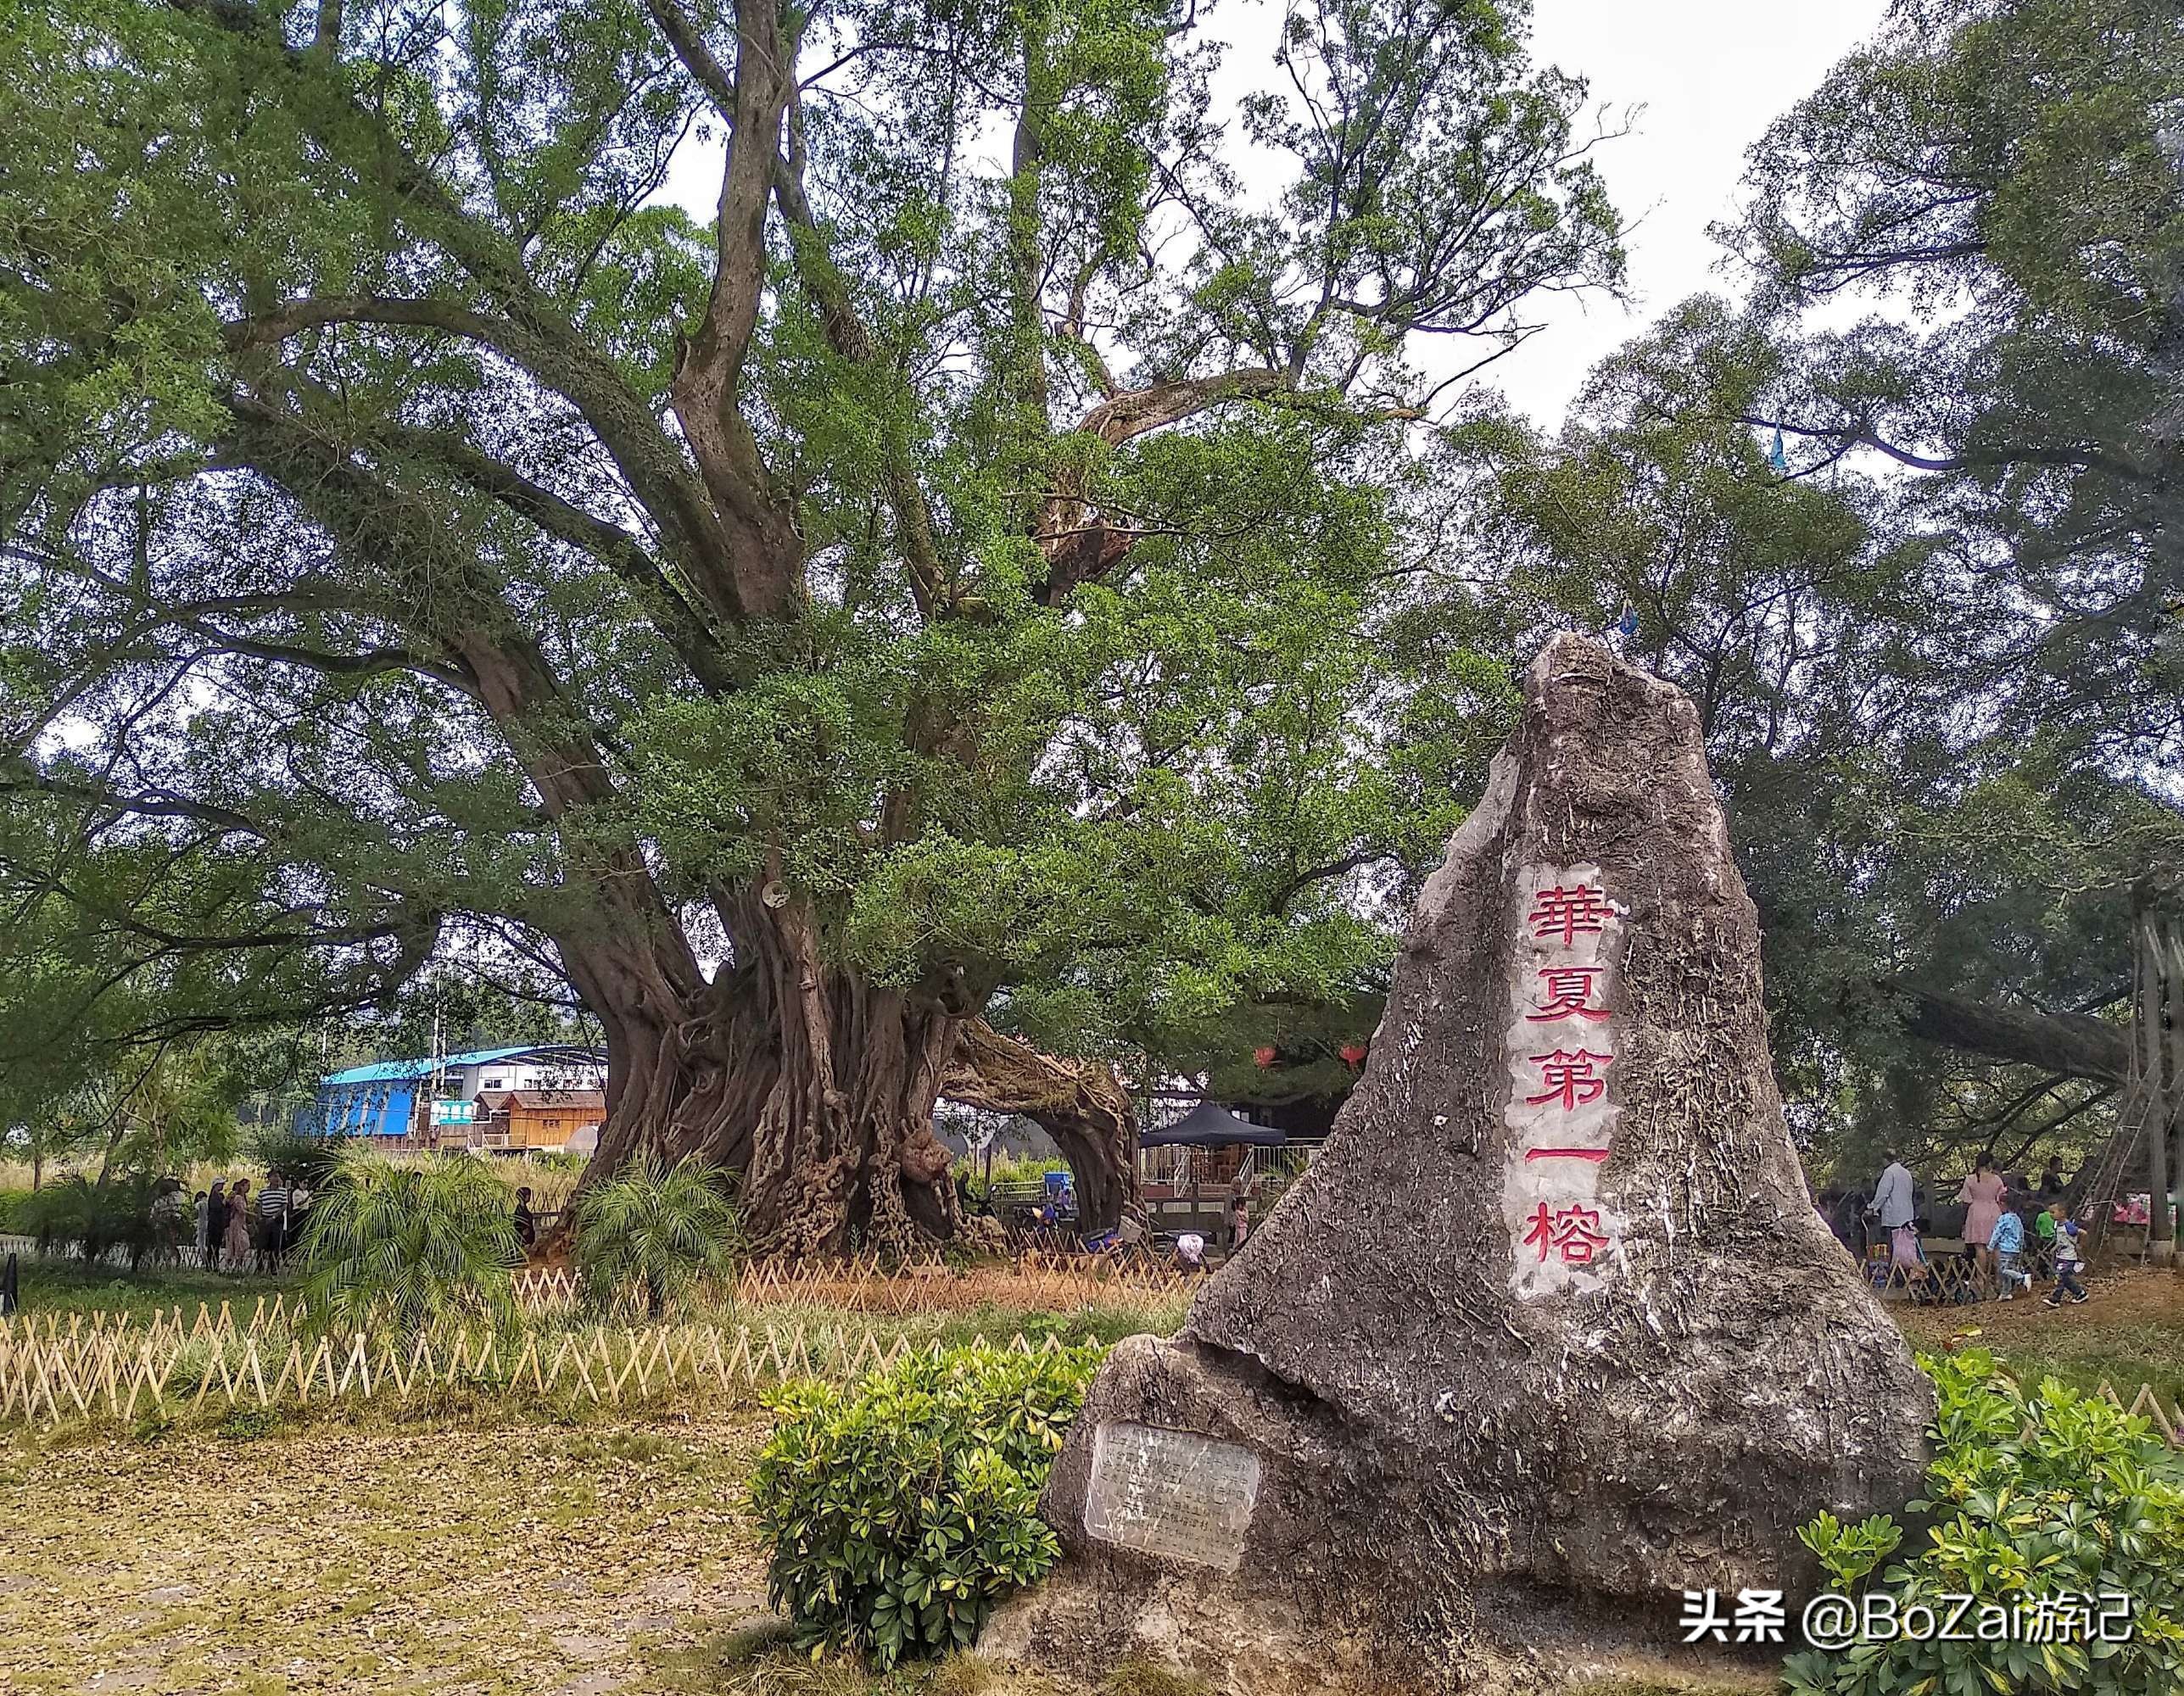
pixel 2054 1495
pixel 901 1512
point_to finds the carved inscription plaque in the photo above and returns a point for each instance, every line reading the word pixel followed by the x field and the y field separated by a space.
pixel 1171 1493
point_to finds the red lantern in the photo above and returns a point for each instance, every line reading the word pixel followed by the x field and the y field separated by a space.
pixel 1263 1057
pixel 1353 1053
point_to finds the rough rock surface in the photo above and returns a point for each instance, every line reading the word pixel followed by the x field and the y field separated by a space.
pixel 1509 1395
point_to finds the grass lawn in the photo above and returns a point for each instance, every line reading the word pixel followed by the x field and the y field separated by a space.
pixel 515 1560
pixel 67 1287
pixel 498 1550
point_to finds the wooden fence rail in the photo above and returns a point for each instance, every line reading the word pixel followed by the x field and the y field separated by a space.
pixel 1032 1281
pixel 58 1367
pixel 124 1372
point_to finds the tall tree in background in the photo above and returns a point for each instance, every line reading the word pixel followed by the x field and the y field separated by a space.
pixel 1922 870
pixel 948 582
pixel 2007 178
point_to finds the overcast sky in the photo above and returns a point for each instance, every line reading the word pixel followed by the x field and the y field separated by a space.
pixel 1711 74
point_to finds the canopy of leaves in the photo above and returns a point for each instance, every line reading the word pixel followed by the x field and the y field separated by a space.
pixel 1858 692
pixel 2006 177
pixel 423 534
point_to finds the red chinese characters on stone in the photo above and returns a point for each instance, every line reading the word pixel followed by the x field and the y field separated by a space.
pixel 1569 1078
pixel 1565 913
pixel 1567 992
pixel 1572 1233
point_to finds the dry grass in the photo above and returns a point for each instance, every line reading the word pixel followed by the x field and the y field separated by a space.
pixel 2131 1333
pixel 522 1559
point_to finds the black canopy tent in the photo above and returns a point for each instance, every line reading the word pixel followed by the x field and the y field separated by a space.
pixel 1207 1126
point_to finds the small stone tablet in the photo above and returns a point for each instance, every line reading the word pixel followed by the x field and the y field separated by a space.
pixel 1172 1494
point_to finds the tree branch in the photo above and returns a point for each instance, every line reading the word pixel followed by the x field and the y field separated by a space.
pixel 2075 1044
pixel 663 603
pixel 1141 410
pixel 765 554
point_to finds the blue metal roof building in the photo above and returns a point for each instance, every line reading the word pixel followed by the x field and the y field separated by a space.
pixel 393 1098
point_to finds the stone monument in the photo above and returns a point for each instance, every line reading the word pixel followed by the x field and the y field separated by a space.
pixel 1550 1331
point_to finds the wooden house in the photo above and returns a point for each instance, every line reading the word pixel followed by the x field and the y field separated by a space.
pixel 557 1120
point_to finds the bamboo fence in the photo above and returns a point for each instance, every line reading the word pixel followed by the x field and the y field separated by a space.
pixel 1035 1282
pixel 61 1367
pixel 99 1365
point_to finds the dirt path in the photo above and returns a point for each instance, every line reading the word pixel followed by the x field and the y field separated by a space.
pixel 576 1561
pixel 2131 1333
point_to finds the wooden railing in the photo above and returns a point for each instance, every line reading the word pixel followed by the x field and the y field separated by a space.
pixel 104 1366
pixel 866 1284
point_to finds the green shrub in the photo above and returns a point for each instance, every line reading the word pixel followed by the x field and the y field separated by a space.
pixel 413 1247
pixel 95 1218
pixel 2054 1495
pixel 1023 1170
pixel 11 1203
pixel 648 1236
pixel 313 1161
pixel 902 1511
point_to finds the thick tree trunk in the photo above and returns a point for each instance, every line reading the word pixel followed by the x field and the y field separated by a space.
pixel 813 1084
pixel 1077 1102
pixel 2076 1044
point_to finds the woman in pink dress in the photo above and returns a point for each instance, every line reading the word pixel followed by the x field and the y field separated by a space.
pixel 1985 1192
pixel 237 1242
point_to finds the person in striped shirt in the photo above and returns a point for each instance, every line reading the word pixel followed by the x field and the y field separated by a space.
pixel 273 1215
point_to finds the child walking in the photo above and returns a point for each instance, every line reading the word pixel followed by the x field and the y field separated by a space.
pixel 2068 1261
pixel 2007 1244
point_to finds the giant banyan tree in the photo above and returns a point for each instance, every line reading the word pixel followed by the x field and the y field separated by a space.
pixel 641 497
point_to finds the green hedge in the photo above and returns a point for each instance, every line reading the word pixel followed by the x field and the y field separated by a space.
pixel 2051 1495
pixel 901 1512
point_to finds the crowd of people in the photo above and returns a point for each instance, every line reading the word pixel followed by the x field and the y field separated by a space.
pixel 227 1228
pixel 2017 1232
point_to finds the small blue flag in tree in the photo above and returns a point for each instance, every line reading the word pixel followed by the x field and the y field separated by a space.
pixel 1777 456
pixel 1628 624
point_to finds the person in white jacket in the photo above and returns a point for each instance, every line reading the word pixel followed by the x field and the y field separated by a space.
pixel 1895 1200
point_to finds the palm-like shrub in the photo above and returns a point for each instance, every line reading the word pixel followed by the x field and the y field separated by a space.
pixel 650 1236
pixel 410 1247
pixel 117 1213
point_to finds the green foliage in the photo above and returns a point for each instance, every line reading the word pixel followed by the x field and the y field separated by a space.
pixel 650 1235
pixel 1025 1170
pixel 1847 664
pixel 410 1247
pixel 96 1217
pixel 2051 1494
pixel 2006 176
pixel 248 1424
pixel 1043 660
pixel 1847 1553
pixel 901 1514
pixel 313 1161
